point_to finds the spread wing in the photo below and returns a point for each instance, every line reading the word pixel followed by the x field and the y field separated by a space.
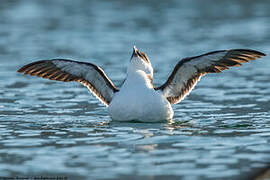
pixel 189 70
pixel 88 74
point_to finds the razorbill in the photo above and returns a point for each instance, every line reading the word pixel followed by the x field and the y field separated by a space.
pixel 138 99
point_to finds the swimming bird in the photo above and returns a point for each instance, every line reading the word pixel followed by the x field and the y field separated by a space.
pixel 138 99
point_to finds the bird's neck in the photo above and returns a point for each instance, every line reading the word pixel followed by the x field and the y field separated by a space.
pixel 139 78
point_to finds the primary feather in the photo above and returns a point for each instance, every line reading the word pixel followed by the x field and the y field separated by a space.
pixel 88 74
pixel 188 71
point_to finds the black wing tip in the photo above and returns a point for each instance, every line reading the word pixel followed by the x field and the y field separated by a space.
pixel 22 69
pixel 259 53
pixel 25 67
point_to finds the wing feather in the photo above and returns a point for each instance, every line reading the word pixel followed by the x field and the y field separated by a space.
pixel 188 71
pixel 88 74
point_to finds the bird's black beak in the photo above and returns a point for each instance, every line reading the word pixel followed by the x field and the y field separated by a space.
pixel 135 52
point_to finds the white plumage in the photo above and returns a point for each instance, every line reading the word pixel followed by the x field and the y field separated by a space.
pixel 138 99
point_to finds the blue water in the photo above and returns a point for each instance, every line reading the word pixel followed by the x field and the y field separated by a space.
pixel 220 131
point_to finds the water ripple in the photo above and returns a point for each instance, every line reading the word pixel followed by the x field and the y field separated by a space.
pixel 220 131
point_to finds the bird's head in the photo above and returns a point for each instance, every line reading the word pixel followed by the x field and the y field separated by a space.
pixel 140 61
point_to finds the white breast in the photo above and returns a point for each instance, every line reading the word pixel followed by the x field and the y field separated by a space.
pixel 137 100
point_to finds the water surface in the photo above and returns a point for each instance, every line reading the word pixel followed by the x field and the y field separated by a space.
pixel 220 131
